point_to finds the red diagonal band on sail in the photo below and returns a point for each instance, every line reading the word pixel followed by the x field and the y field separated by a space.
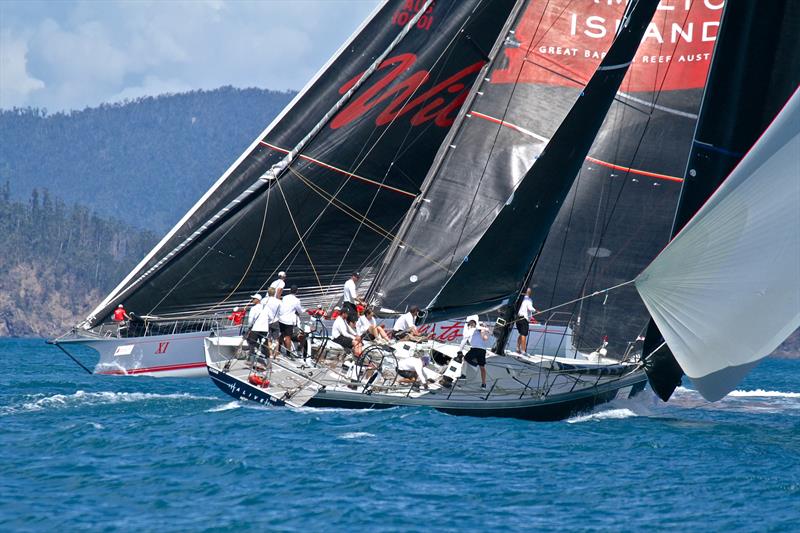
pixel 606 164
pixel 342 171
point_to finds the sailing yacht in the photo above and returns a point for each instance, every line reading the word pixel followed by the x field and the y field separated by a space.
pixel 689 289
pixel 348 166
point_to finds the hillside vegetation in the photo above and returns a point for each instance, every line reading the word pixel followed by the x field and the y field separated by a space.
pixel 145 162
pixel 58 262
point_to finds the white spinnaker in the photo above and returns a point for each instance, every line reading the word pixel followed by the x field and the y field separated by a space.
pixel 726 291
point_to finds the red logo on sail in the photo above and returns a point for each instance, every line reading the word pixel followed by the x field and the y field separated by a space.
pixel 438 104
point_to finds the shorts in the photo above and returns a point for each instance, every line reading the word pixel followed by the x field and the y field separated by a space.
pixel 254 338
pixel 400 335
pixel 287 330
pixel 274 330
pixel 476 357
pixel 523 326
pixel 345 342
pixel 367 336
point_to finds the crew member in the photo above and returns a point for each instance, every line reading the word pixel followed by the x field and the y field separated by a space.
pixel 120 316
pixel 368 328
pixel 350 297
pixel 288 318
pixel 255 309
pixel 279 284
pixel 344 335
pixel 404 328
pixel 266 324
pixel 237 316
pixel 524 315
pixel 477 336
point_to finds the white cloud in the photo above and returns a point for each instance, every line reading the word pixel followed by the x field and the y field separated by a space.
pixel 84 52
pixel 16 84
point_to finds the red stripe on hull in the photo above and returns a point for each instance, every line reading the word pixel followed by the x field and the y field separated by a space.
pixel 153 369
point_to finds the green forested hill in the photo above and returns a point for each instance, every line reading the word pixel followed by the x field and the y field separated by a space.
pixel 145 161
pixel 57 262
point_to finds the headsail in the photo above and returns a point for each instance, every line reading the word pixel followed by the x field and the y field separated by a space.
pixel 334 209
pixel 755 69
pixel 492 273
pixel 726 291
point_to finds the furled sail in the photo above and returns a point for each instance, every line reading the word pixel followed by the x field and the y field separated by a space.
pixel 755 69
pixel 491 274
pixel 726 290
pixel 334 209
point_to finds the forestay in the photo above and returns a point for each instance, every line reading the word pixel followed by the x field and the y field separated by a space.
pixel 726 291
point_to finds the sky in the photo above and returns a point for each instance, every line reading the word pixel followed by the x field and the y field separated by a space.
pixel 69 54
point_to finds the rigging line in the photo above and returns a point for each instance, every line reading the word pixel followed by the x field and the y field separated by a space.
pixel 494 142
pixel 595 293
pixel 378 184
pixel 300 238
pixel 252 257
pixel 577 82
pixel 239 215
pixel 353 213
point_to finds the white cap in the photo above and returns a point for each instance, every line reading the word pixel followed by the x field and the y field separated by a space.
pixel 256 296
pixel 337 308
pixel 472 318
pixel 281 274
pixel 120 305
pixel 235 309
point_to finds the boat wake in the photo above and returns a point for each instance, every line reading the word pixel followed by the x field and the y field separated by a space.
pixel 225 407
pixel 81 398
pixel 605 414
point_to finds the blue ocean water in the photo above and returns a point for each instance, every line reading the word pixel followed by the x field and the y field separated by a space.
pixel 102 453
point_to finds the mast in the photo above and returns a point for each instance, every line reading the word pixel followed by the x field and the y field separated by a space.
pixel 755 69
pixel 484 281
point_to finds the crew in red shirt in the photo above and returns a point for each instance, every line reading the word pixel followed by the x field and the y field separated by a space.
pixel 120 314
pixel 237 316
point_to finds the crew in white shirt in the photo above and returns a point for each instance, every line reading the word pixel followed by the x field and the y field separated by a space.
pixel 255 309
pixel 288 313
pixel 368 328
pixel 266 325
pixel 404 328
pixel 350 297
pixel 344 335
pixel 279 284
pixel 524 315
pixel 477 336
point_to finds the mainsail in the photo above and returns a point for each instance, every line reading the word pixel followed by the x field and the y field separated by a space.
pixel 335 207
pixel 492 273
pixel 629 185
pixel 726 291
pixel 755 69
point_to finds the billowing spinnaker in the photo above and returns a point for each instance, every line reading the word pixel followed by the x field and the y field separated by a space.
pixel 726 291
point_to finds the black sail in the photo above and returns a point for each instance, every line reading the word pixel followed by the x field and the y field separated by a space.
pixel 492 273
pixel 336 207
pixel 754 71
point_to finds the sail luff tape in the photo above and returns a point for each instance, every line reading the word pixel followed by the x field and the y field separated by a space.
pixel 287 160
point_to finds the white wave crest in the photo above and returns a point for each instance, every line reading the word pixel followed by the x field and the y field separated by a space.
pixel 609 414
pixel 83 398
pixel 760 393
pixel 357 435
pixel 225 407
